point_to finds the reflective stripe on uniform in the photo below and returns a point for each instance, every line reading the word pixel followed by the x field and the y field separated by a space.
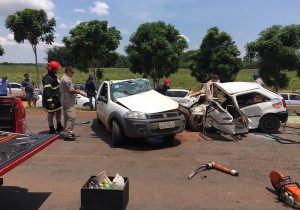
pixel 54 110
pixel 56 87
pixel 48 85
pixel 49 99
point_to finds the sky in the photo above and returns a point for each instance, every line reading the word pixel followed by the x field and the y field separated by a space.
pixel 243 20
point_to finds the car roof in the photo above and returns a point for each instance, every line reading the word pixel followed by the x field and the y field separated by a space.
pixel 237 87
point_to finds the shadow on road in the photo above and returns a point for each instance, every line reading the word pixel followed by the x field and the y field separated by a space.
pixel 17 198
pixel 132 144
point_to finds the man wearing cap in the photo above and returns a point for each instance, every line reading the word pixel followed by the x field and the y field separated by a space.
pixel 163 88
pixel 4 85
pixel 90 89
pixel 68 97
pixel 51 96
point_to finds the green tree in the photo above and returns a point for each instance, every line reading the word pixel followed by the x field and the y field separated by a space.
pixel 276 49
pixel 1 51
pixel 122 62
pixel 185 58
pixel 217 54
pixel 34 26
pixel 92 44
pixel 60 54
pixel 155 50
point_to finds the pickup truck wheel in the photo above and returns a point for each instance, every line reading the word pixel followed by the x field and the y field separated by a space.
pixel 196 122
pixel 98 119
pixel 269 124
pixel 169 139
pixel 117 134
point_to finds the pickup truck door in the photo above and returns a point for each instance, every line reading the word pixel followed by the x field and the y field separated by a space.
pixel 16 148
pixel 102 102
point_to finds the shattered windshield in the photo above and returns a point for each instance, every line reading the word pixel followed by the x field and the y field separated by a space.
pixel 129 87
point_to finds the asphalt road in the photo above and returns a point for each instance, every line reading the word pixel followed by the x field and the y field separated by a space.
pixel 157 173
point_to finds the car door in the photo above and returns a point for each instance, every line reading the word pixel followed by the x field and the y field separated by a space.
pixel 225 114
pixel 251 103
pixel 102 103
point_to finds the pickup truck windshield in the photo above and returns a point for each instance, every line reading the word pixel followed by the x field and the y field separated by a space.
pixel 129 87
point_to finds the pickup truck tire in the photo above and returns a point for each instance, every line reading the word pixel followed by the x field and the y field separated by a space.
pixel 117 134
pixel 269 124
pixel 195 122
pixel 169 139
pixel 98 120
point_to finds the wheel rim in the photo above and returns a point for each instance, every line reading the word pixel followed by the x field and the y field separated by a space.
pixel 270 124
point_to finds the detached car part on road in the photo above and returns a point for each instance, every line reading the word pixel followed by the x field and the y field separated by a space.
pixel 131 109
pixel 236 107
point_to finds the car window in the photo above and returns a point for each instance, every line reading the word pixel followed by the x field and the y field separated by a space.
pixel 249 99
pixel 294 97
pixel 15 86
pixel 285 96
pixel 129 87
pixel 104 91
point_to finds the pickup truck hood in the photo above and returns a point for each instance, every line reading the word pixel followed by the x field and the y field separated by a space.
pixel 148 102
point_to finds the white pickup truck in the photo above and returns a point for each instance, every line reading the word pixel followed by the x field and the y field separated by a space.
pixel 131 109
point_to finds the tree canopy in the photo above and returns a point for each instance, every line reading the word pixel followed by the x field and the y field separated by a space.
pixel 1 51
pixel 32 25
pixel 93 44
pixel 276 49
pixel 60 54
pixel 155 50
pixel 217 54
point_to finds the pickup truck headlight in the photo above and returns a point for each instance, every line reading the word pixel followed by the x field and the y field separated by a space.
pixel 135 115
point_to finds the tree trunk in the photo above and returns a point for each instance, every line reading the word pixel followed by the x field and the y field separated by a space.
pixel 36 67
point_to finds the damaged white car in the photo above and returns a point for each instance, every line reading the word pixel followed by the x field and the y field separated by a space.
pixel 131 109
pixel 236 107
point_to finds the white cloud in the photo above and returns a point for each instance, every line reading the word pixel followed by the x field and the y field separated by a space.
pixel 9 7
pixel 79 10
pixel 63 25
pixel 78 22
pixel 100 8
pixel 7 40
pixel 186 38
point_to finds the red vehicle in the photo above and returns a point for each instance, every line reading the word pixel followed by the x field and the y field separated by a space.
pixel 12 115
pixel 15 145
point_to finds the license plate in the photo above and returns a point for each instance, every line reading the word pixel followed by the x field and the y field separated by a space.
pixel 165 125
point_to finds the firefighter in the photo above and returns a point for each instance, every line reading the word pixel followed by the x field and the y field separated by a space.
pixel 68 97
pixel 51 96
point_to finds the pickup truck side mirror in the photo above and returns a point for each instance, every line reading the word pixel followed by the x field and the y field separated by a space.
pixel 102 98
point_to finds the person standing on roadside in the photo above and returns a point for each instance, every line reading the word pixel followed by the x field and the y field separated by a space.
pixel 163 88
pixel 4 85
pixel 51 96
pixel 68 97
pixel 90 89
pixel 28 90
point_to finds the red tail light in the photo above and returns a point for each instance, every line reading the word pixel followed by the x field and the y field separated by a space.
pixel 283 102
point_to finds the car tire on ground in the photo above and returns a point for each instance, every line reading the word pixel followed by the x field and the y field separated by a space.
pixel 269 124
pixel 196 122
pixel 117 134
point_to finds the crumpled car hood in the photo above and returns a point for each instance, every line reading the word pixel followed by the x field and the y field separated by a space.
pixel 148 102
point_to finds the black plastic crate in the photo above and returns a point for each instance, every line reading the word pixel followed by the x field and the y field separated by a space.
pixel 104 199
